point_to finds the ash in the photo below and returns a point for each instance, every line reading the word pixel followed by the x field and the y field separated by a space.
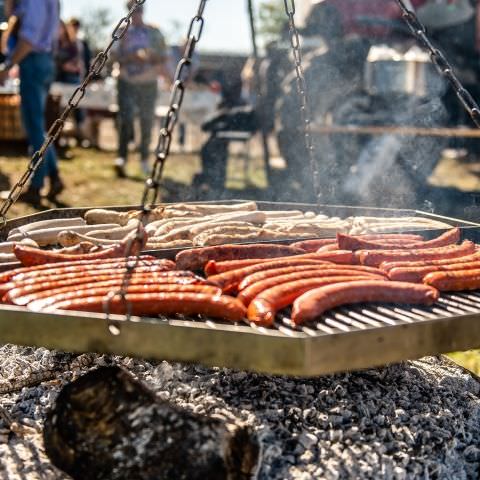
pixel 418 419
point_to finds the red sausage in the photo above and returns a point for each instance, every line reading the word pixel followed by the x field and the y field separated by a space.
pixel 263 308
pixel 20 290
pixel 229 281
pixel 223 307
pixel 386 266
pixel 196 258
pixel 454 281
pixel 265 274
pixel 29 293
pixel 375 257
pixel 314 245
pixel 30 256
pixel 94 290
pixel 7 276
pixel 348 242
pixel 315 302
pixel 416 274
pixel 255 289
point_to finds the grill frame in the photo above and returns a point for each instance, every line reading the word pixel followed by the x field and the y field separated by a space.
pixel 280 351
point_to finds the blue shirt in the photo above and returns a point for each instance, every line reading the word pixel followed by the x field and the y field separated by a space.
pixel 39 23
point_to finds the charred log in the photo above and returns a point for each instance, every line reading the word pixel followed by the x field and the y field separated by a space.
pixel 108 425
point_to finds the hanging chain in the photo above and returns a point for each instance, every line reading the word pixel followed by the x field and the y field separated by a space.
pixel 303 94
pixel 57 127
pixel 152 184
pixel 440 61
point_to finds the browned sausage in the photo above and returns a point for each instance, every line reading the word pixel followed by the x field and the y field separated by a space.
pixel 375 257
pixel 263 308
pixel 7 276
pixel 255 289
pixel 349 242
pixel 416 274
pixel 314 245
pixel 141 304
pixel 196 258
pixel 70 280
pixel 315 302
pixel 265 274
pixel 454 281
pixel 94 290
pixel 386 266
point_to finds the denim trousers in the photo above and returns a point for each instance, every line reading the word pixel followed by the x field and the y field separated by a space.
pixel 131 98
pixel 37 72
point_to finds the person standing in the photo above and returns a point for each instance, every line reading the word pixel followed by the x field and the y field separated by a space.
pixel 33 53
pixel 142 56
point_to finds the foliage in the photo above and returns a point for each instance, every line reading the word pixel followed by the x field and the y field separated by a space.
pixel 96 25
pixel 271 19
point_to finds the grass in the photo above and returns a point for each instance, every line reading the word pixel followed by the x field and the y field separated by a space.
pixel 91 181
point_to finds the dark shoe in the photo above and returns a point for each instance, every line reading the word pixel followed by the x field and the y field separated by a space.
pixel 56 188
pixel 31 196
pixel 120 168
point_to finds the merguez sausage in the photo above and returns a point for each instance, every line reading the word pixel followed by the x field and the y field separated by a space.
pixel 265 274
pixel 315 302
pixel 255 289
pixel 416 274
pixel 374 258
pixel 264 307
pixel 348 242
pixel 386 266
pixel 196 258
pixel 454 281
pixel 92 291
pixel 224 307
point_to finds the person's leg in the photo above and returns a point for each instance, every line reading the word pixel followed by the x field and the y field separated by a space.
pixel 33 96
pixel 214 155
pixel 147 97
pixel 125 117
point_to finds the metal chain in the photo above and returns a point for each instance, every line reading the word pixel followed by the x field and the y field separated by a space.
pixel 440 61
pixel 303 94
pixel 152 184
pixel 57 127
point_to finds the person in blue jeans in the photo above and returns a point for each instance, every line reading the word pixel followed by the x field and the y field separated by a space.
pixel 33 53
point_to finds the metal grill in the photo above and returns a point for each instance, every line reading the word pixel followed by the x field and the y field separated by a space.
pixel 344 339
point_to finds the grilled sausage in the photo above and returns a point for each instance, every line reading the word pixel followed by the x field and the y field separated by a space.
pixel 25 271
pixel 348 242
pixel 74 280
pixel 375 257
pixel 196 259
pixel 266 274
pixel 223 307
pixel 263 308
pixel 315 302
pixel 92 290
pixel 314 245
pixel 24 294
pixel 338 256
pixel 454 281
pixel 387 266
pixel 229 281
pixel 255 289
pixel 416 274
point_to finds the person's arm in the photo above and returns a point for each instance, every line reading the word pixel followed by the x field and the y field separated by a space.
pixel 21 51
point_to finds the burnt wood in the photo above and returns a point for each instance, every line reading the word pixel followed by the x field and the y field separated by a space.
pixel 108 425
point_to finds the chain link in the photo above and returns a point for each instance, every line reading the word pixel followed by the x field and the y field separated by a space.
pixel 440 61
pixel 152 184
pixel 302 89
pixel 74 100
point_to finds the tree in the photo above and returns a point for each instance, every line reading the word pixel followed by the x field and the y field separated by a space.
pixel 271 19
pixel 96 25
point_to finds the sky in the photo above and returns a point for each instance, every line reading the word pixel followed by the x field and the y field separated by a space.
pixel 226 21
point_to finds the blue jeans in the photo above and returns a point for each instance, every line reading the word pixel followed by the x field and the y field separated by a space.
pixel 37 72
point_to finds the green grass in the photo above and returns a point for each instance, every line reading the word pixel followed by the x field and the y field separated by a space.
pixel 91 181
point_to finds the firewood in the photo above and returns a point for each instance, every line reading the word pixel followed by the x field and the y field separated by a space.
pixel 108 425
